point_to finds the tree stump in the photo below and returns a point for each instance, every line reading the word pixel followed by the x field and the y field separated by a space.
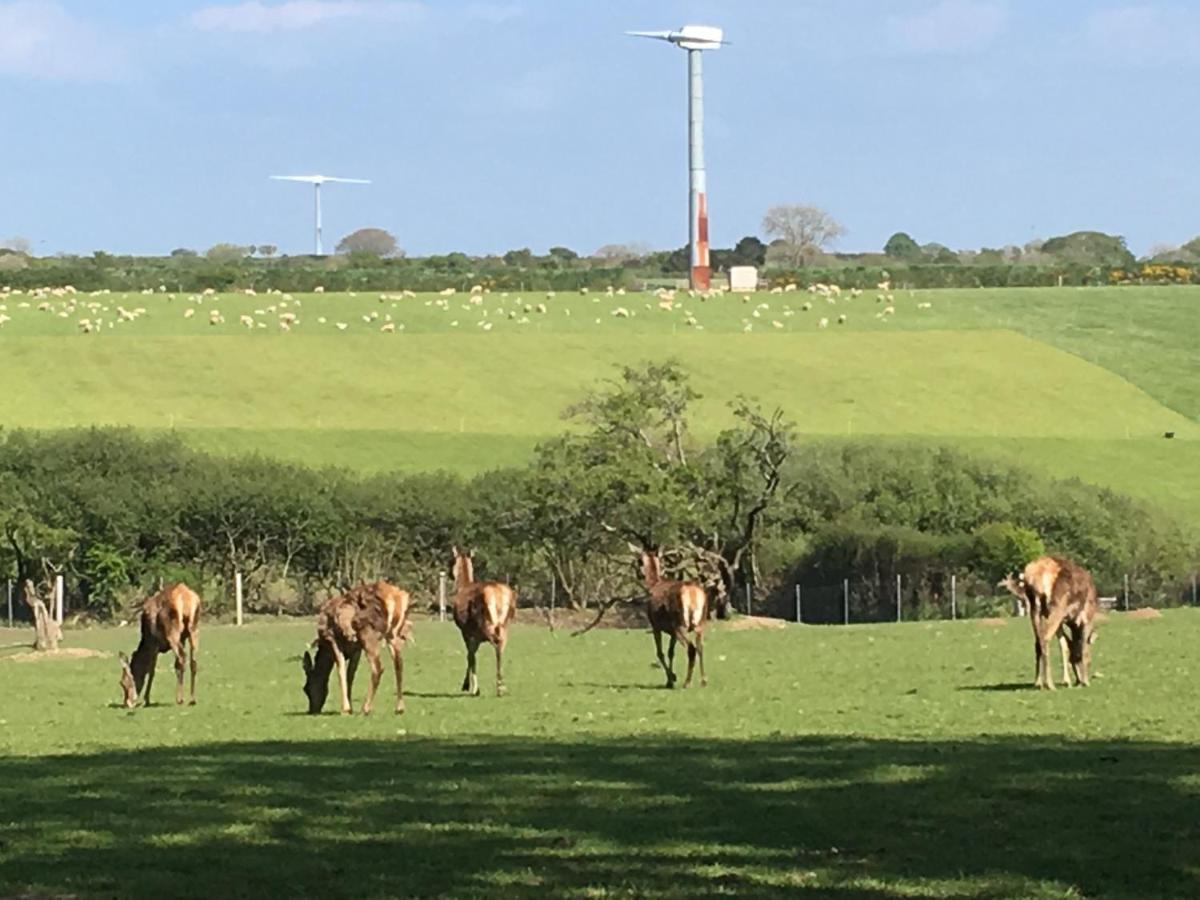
pixel 48 632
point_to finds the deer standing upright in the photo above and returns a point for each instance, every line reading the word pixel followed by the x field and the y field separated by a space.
pixel 349 625
pixel 482 612
pixel 169 620
pixel 677 608
pixel 1061 599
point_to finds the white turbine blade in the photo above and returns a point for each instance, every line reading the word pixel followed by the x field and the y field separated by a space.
pixel 347 180
pixel 656 35
pixel 308 179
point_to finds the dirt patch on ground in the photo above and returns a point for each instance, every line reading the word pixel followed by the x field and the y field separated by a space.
pixel 752 623
pixel 993 623
pixel 60 653
pixel 1147 613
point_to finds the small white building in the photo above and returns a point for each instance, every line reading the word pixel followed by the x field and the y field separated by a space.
pixel 743 278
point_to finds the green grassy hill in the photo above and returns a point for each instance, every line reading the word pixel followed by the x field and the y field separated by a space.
pixel 1076 382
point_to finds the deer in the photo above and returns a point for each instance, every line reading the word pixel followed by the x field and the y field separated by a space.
pixel 169 620
pixel 482 612
pixel 348 625
pixel 676 608
pixel 1061 598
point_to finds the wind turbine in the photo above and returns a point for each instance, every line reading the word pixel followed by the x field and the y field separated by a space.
pixel 316 181
pixel 694 39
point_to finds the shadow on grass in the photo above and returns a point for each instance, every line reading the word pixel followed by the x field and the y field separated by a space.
pixel 1006 687
pixel 628 816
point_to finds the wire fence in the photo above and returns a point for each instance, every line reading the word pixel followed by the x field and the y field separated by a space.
pixel 857 600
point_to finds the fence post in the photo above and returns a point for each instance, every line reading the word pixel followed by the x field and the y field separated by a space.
pixel 748 598
pixel 237 596
pixel 845 601
pixel 553 593
pixel 953 599
pixel 1193 599
pixel 799 618
pixel 58 599
pixel 1126 593
pixel 898 616
pixel 441 596
pixel 8 593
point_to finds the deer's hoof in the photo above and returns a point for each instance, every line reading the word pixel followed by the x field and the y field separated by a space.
pixel 501 691
pixel 400 709
pixel 191 703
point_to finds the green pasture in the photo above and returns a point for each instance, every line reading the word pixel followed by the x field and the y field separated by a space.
pixel 1074 381
pixel 870 761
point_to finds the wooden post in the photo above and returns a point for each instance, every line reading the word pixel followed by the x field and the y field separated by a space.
pixel 8 593
pixel 1126 593
pixel 237 595
pixel 799 617
pixel 898 598
pixel 1193 599
pixel 953 598
pixel 845 601
pixel 748 600
pixel 58 599
pixel 441 596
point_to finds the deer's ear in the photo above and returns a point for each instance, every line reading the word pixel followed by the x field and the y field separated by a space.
pixel 307 662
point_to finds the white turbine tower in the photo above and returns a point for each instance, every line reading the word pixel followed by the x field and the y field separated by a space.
pixel 694 39
pixel 316 181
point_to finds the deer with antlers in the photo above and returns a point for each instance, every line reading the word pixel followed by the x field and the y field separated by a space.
pixel 482 612
pixel 678 609
pixel 170 619
pixel 349 625
pixel 1061 599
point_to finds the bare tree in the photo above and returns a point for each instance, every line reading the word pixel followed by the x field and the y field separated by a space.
pixel 17 244
pixel 804 230
pixel 619 253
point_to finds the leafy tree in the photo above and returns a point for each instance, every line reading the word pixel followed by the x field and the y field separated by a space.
pixel 372 241
pixel 749 251
pixel 227 253
pixel 267 250
pixel 563 254
pixel 901 246
pixel 804 230
pixel 1090 248
pixel 1001 548
pixel 522 258
pixel 183 253
pixel 939 254
pixel 17 244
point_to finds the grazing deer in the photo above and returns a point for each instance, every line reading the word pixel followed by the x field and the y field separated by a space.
pixel 1061 599
pixel 169 619
pixel 349 625
pixel 678 608
pixel 482 612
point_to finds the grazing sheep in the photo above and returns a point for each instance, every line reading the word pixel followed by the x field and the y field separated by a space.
pixel 318 289
pixel 824 323
pixel 621 312
pixel 924 306
pixel 842 319
pixel 806 307
pixel 320 320
pixel 775 323
pixel 388 328
pixel 341 326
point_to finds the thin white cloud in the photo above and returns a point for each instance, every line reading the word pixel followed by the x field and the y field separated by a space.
pixel 1145 34
pixel 494 13
pixel 40 40
pixel 950 26
pixel 295 15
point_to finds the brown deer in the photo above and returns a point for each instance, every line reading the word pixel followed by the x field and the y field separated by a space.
pixel 1061 599
pixel 482 612
pixel 349 625
pixel 677 608
pixel 170 619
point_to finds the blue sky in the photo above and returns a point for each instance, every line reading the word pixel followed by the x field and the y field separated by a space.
pixel 144 125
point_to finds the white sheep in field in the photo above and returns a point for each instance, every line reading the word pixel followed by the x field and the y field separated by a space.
pixel 775 323
pixel 85 325
pixel 477 289
pixel 550 295
pixel 43 307
pixel 487 326
pixel 320 320
pixel 620 292
pixel 924 306
pixel 285 326
pixel 260 312
pixel 806 307
pixel 319 289
pixel 214 318
pixel 4 318
pixel 748 327
pixel 541 307
pixel 621 312
pixel 388 327
pixel 447 292
pixel 248 321
pixel 341 326
pixel 408 295
pixel 583 290
pixel 776 290
pixel 889 310
pixel 789 288
pixel 824 323
pixel 842 319
pixel 209 292
pixel 884 286
pixel 287 297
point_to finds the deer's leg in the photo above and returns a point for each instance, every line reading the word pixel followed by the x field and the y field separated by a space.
pixel 672 640
pixel 662 660
pixel 700 656
pixel 371 648
pixel 150 677
pixel 501 637
pixel 1080 634
pixel 1064 647
pixel 192 642
pixel 180 665
pixel 398 664
pixel 1039 644
pixel 1049 626
pixel 471 682
pixel 343 681
pixel 681 636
